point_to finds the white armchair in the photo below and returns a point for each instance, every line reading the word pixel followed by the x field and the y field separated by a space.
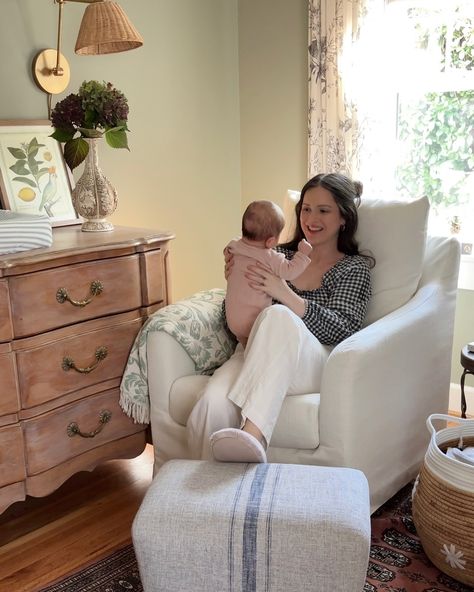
pixel 379 385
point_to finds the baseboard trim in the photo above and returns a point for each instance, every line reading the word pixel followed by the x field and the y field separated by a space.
pixel 455 399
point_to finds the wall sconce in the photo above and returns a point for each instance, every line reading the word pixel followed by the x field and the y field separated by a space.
pixel 105 28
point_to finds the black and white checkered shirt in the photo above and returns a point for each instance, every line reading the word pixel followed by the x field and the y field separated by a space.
pixel 336 309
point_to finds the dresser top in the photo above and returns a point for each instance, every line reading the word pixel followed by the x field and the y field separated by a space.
pixel 71 241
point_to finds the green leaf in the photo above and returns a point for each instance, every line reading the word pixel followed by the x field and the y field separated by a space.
pixel 117 138
pixel 20 168
pixel 34 168
pixel 123 124
pixel 90 118
pixel 25 180
pixel 33 164
pixel 90 133
pixel 63 135
pixel 75 151
pixel 33 147
pixel 117 128
pixel 17 153
pixel 32 152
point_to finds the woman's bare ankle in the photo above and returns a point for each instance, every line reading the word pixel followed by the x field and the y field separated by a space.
pixel 254 431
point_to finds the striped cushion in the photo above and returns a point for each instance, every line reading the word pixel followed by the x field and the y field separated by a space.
pixel 215 527
pixel 21 232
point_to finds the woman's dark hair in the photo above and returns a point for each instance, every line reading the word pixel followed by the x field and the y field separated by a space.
pixel 346 194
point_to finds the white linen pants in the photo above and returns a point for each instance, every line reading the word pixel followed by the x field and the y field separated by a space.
pixel 282 358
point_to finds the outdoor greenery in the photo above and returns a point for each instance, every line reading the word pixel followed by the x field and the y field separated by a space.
pixel 437 131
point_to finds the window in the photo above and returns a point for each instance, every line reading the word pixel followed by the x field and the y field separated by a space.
pixel 416 105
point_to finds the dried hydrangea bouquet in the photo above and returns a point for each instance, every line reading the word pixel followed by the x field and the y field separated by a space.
pixel 80 120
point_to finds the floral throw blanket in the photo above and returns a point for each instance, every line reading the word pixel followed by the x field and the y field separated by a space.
pixel 197 325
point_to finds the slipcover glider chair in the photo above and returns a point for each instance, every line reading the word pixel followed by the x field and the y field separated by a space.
pixel 378 387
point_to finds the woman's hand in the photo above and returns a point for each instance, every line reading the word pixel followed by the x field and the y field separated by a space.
pixel 228 262
pixel 263 280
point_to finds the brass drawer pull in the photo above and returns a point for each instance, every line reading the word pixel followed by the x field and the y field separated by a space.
pixel 74 430
pixel 100 354
pixel 95 289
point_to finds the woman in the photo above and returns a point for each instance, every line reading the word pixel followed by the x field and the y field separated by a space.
pixel 289 343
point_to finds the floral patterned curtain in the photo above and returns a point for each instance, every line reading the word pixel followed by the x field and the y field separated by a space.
pixel 334 127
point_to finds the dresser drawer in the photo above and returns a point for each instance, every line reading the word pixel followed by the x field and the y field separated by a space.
pixel 50 439
pixel 41 301
pixel 9 397
pixel 6 331
pixel 73 363
pixel 12 460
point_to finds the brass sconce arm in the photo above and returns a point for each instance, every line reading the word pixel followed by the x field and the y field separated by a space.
pixel 105 28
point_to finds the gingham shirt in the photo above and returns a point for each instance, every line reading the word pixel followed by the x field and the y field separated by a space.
pixel 336 309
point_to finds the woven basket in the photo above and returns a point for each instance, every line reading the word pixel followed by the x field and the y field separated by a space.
pixel 443 502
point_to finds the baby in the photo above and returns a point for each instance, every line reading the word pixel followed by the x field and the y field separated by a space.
pixel 262 224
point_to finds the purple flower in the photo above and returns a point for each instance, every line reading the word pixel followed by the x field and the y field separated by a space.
pixel 68 113
pixel 97 110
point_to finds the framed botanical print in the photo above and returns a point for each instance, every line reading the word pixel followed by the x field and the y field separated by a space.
pixel 34 178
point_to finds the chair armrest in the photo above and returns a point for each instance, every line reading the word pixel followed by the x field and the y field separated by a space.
pixel 387 378
pixel 196 325
pixel 193 339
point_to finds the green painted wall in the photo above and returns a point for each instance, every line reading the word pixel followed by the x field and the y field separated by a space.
pixel 273 97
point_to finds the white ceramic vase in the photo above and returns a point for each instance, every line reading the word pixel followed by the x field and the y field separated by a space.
pixel 94 197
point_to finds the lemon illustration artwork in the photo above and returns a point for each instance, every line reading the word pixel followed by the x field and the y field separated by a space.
pixel 47 156
pixel 26 194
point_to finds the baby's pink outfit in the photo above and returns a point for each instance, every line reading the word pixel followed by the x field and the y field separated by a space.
pixel 243 304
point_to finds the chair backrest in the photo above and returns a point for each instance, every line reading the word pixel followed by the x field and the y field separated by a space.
pixel 394 232
pixel 441 263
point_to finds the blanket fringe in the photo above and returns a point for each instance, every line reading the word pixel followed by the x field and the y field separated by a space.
pixel 139 413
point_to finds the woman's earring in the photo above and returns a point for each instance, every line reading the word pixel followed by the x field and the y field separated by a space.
pixel 343 227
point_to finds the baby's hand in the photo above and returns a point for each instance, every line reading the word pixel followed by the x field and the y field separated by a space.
pixel 304 247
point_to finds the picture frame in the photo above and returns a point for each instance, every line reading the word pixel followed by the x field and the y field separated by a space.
pixel 34 178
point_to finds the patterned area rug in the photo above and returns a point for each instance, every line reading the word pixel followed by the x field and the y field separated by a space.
pixel 397 561
pixel 116 573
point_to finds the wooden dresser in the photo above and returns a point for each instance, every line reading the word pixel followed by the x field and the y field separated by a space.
pixel 68 317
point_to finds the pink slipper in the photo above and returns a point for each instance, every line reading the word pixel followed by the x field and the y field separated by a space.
pixel 232 445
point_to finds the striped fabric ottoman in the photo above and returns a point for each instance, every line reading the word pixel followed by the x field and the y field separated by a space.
pixel 231 527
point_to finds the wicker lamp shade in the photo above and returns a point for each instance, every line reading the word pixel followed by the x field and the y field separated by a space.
pixel 105 28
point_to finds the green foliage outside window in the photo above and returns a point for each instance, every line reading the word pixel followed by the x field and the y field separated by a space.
pixel 437 131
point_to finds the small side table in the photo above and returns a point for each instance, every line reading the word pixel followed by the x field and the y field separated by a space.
pixel 467 362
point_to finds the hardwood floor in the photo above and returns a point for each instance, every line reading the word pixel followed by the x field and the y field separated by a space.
pixel 43 539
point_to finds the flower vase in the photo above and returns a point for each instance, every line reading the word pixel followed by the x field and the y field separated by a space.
pixel 94 197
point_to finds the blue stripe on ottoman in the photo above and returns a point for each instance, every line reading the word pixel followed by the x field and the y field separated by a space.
pixel 249 555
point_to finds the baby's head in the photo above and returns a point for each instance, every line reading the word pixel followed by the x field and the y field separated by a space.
pixel 262 221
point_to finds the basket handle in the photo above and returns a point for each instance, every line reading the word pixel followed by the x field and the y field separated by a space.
pixel 429 421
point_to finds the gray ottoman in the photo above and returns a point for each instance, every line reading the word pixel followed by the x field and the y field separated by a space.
pixel 218 527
